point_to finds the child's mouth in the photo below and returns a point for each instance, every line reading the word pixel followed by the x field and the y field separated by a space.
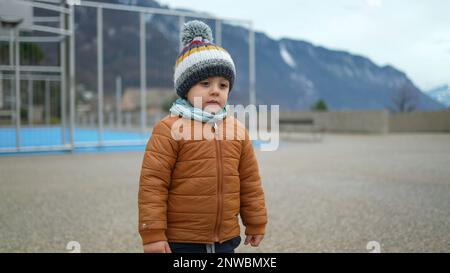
pixel 212 102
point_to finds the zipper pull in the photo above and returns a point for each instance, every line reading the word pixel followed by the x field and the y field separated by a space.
pixel 215 127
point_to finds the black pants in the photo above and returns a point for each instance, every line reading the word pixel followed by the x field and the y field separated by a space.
pixel 225 247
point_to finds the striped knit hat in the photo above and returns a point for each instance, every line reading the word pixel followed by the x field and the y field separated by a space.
pixel 200 58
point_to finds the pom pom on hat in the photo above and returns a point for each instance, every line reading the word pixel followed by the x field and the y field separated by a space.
pixel 194 29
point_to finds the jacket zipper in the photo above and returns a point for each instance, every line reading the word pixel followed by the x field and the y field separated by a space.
pixel 219 186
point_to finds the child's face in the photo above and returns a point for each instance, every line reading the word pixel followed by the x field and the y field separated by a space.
pixel 213 93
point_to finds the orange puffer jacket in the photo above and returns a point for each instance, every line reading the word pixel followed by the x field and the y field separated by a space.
pixel 193 189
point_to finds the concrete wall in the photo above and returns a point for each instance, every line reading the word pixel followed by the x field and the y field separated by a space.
pixel 378 122
pixel 438 121
pixel 342 121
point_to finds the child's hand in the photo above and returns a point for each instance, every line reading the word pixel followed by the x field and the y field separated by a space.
pixel 254 240
pixel 157 247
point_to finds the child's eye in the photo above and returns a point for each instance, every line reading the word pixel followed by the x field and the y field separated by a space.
pixel 224 85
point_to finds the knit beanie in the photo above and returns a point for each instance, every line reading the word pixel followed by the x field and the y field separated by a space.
pixel 200 58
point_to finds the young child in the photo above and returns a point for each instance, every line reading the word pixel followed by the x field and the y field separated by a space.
pixel 193 188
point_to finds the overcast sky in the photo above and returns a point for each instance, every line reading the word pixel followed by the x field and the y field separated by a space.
pixel 412 35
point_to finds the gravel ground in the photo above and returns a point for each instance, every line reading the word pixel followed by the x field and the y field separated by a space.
pixel 333 195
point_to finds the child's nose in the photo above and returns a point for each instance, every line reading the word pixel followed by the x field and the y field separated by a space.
pixel 214 89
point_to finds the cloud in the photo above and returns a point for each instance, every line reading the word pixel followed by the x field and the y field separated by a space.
pixel 374 3
pixel 441 41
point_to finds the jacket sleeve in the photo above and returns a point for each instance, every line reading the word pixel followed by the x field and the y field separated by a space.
pixel 253 209
pixel 159 159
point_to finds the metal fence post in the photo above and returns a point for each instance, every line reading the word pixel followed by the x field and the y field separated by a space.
pixel 100 72
pixel 17 86
pixel 72 77
pixel 252 76
pixel 218 32
pixel 119 101
pixel 11 47
pixel 180 26
pixel 47 102
pixel 143 59
pixel 30 101
pixel 63 86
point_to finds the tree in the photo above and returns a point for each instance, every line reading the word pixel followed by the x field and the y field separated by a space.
pixel 320 105
pixel 30 53
pixel 405 99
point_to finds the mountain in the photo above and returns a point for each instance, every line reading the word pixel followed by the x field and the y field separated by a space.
pixel 291 73
pixel 441 94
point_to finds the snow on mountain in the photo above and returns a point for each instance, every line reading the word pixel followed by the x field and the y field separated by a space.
pixel 287 58
pixel 441 94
